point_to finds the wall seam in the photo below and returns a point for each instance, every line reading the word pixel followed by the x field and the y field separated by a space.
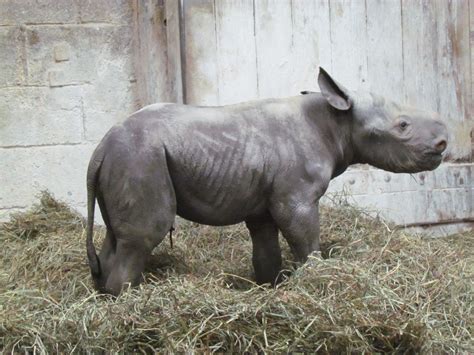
pixel 47 145
pixel 182 48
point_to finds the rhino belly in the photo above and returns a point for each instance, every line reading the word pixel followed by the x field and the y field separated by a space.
pixel 221 197
pixel 194 209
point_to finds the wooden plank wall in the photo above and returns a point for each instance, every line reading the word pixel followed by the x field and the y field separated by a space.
pixel 415 51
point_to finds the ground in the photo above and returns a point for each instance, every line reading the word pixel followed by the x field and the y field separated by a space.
pixel 373 288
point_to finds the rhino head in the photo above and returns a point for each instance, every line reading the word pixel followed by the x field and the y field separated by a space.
pixel 385 134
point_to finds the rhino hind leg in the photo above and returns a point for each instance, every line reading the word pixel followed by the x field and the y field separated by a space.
pixel 140 206
pixel 266 256
pixel 128 245
pixel 128 264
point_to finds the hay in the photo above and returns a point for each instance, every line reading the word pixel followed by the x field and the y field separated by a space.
pixel 373 289
pixel 46 217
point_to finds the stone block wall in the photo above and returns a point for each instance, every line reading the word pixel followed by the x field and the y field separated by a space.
pixel 67 73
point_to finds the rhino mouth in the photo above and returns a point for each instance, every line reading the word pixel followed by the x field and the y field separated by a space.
pixel 424 161
pixel 432 159
pixel 433 155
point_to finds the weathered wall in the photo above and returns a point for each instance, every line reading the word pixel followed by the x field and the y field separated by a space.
pixel 66 75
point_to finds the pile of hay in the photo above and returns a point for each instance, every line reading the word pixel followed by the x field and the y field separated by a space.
pixel 374 289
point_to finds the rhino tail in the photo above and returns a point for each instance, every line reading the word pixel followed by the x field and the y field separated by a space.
pixel 92 180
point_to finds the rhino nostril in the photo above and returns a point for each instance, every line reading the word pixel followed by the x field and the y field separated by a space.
pixel 441 146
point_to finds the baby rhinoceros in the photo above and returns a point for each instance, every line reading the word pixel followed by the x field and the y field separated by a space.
pixel 265 162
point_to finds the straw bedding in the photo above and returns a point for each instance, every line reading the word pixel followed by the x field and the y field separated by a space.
pixel 372 288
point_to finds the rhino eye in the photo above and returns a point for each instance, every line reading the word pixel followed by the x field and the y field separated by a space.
pixel 403 125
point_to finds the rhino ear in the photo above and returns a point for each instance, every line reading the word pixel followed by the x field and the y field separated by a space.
pixel 335 94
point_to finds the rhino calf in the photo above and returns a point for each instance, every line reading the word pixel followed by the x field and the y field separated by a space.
pixel 265 162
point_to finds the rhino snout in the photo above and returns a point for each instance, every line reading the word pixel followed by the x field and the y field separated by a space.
pixel 440 142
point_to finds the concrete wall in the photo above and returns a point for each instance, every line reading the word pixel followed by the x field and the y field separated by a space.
pixel 66 75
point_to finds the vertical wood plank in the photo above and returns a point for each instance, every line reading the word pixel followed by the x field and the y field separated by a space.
pixel 311 45
pixel 151 60
pixel 420 38
pixel 349 42
pixel 384 46
pixel 453 59
pixel 174 50
pixel 201 56
pixel 274 43
pixel 236 56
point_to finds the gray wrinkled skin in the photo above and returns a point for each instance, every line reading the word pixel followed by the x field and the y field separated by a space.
pixel 265 162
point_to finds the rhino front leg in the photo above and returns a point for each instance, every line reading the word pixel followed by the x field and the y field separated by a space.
pixel 300 227
pixel 266 256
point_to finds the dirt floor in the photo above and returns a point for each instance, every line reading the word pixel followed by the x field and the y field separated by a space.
pixel 372 289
